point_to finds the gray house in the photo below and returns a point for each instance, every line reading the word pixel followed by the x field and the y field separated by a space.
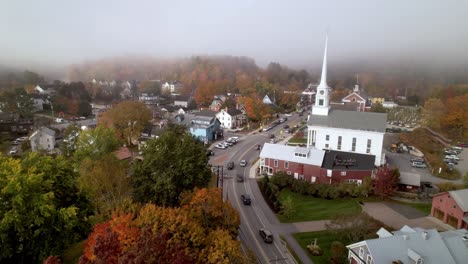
pixel 43 139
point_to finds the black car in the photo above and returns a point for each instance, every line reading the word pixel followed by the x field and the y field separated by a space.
pixel 286 126
pixel 246 199
pixel 240 178
pixel 209 153
pixel 266 235
pixel 272 136
pixel 230 165
pixel 258 147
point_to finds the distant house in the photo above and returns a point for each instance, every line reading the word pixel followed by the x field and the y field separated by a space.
pixel 11 122
pixel 38 102
pixel 377 100
pixel 216 104
pixel 357 98
pixel 411 245
pixel 205 126
pixel 42 139
pixel 231 118
pixel 172 87
pixel 182 100
pixel 123 153
pixel 267 100
pixel 451 208
pixel 409 182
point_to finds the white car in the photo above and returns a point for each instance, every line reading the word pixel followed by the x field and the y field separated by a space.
pixel 455 157
pixel 220 146
pixel 14 150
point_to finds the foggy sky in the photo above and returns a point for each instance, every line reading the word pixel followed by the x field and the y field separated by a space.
pixel 58 32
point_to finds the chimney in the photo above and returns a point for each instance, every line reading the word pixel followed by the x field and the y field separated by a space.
pixel 425 235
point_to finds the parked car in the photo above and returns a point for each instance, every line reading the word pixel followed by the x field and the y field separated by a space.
pixel 450 152
pixel 419 165
pixel 246 199
pixel 418 160
pixel 451 161
pixel 266 235
pixel 227 144
pixel 286 126
pixel 288 131
pixel 455 157
pixel 209 153
pixel 273 141
pixel 272 136
pixel 220 146
pixel 15 142
pixel 230 165
pixel 243 163
pixel 258 147
pixel 13 150
pixel 240 178
pixel 457 148
pixel 463 144
pixel 233 140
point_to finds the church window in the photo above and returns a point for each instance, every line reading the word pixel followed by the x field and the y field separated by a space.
pixel 369 142
pixel 326 146
pixel 286 164
pixel 343 173
pixel 339 142
pixel 321 102
pixel 327 137
pixel 276 163
pixel 353 147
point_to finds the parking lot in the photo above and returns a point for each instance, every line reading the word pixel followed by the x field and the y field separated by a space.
pixel 402 161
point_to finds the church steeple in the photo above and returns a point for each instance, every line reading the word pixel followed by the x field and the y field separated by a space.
pixel 323 79
pixel 322 98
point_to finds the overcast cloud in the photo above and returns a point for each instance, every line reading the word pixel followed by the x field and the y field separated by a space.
pixel 290 32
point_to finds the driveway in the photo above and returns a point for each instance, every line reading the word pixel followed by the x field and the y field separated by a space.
pixel 396 217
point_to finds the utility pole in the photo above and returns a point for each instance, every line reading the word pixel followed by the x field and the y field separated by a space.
pixel 220 179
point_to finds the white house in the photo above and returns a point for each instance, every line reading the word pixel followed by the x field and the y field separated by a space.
pixel 182 100
pixel 389 104
pixel 349 131
pixel 231 118
pixel 42 139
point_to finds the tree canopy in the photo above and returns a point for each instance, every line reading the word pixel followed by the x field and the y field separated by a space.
pixel 173 163
pixel 95 143
pixel 128 118
pixel 41 208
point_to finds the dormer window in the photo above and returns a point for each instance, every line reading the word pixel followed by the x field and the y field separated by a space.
pixel 361 253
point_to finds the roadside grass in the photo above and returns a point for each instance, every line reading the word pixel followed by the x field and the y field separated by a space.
pixel 72 254
pixel 296 257
pixel 308 208
pixel 298 140
pixel 212 182
pixel 324 241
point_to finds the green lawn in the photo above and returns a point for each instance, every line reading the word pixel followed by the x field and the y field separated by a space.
pixel 298 140
pixel 309 208
pixel 324 240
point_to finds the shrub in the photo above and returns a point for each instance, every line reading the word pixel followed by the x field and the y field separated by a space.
pixel 282 180
pixel 338 253
pixel 315 250
pixel 449 186
pixel 300 186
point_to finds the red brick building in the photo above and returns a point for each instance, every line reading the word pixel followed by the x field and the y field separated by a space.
pixel 452 208
pixel 315 165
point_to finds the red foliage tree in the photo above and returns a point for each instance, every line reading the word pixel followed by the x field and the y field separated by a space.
pixel 386 181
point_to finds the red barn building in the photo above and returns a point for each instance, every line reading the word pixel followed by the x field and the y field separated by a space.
pixel 314 165
pixel 452 208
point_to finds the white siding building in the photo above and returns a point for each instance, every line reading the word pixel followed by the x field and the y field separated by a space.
pixel 349 131
pixel 42 139
pixel 231 118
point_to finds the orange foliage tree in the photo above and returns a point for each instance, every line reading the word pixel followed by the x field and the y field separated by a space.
pixel 202 230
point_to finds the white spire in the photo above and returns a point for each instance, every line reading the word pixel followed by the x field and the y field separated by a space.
pixel 323 80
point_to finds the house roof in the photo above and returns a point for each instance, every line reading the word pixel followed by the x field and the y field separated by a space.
pixel 286 153
pixel 461 197
pixel 123 153
pixel 352 106
pixel 234 111
pixel 43 130
pixel 339 160
pixel 408 178
pixel 351 120
pixel 408 244
pixel 207 113
pixel 348 97
pixel 182 98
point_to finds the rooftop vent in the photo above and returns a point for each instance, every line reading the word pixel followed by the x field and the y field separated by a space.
pixel 425 235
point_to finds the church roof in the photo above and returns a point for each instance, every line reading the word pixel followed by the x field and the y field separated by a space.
pixel 340 160
pixel 367 121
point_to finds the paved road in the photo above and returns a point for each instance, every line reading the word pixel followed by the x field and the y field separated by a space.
pixel 258 214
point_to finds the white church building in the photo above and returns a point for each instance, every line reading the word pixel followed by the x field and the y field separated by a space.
pixel 349 131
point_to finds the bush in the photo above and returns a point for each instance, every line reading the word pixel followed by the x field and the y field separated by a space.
pixel 315 250
pixel 338 253
pixel 300 186
pixel 282 180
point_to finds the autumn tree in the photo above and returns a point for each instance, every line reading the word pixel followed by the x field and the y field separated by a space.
pixel 378 108
pixel 128 118
pixel 256 109
pixel 70 138
pixel 386 181
pixel 42 210
pixel 205 93
pixel 95 143
pixel 17 101
pixel 106 182
pixel 432 112
pixel 171 164
pixel 455 118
